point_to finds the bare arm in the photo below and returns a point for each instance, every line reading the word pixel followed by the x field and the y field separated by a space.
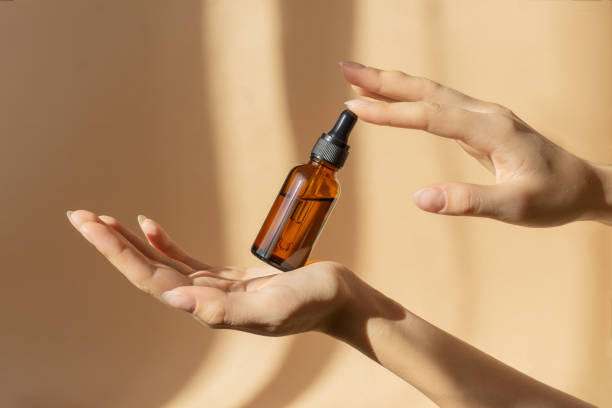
pixel 325 297
pixel 449 371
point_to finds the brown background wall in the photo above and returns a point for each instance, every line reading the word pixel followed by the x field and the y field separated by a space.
pixel 192 112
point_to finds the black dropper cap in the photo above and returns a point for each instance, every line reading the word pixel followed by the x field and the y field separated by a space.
pixel 331 146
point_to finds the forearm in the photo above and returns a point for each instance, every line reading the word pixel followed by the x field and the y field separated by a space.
pixel 449 371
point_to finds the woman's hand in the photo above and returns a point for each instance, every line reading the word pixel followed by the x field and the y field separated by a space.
pixel 259 299
pixel 537 182
pixel 323 296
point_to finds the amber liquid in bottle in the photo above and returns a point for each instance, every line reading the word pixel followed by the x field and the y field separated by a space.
pixel 301 208
pixel 298 214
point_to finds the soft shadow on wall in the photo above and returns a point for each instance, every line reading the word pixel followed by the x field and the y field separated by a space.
pixel 458 230
pixel 316 36
pixel 107 106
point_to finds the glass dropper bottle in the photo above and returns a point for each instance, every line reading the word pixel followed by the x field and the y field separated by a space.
pixel 305 200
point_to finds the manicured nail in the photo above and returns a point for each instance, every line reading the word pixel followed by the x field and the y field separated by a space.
pixel 431 199
pixel 69 215
pixel 179 301
pixel 357 103
pixel 141 218
pixel 351 64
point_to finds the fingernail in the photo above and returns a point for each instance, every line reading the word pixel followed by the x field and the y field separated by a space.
pixel 351 64
pixel 431 199
pixel 179 301
pixel 69 215
pixel 357 103
pixel 141 218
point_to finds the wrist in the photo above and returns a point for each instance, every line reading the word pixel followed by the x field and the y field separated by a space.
pixel 360 308
pixel 601 208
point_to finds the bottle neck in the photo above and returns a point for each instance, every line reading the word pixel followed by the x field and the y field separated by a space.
pixel 318 162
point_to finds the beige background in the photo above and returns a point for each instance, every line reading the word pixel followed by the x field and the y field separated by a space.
pixel 192 113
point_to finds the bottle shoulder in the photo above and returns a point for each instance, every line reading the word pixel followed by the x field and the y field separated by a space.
pixel 311 180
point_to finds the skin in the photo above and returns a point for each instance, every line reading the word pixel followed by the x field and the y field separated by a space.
pixel 537 184
pixel 325 297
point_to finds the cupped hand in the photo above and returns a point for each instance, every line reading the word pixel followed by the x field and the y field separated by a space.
pixel 260 299
pixel 537 183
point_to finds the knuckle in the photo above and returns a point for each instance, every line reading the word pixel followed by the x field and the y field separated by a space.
pixel 475 204
pixel 430 87
pixel 386 114
pixel 432 108
pixel 502 124
pixel 431 111
pixel 392 75
pixel 213 313
pixel 443 117
pixel 463 201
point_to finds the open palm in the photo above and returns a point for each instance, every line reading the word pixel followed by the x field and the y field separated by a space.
pixel 257 299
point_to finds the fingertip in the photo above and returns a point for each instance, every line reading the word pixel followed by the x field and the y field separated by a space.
pixel 351 65
pixel 358 103
pixel 88 229
pixel 69 216
pixel 155 235
pixel 430 199
pixel 81 214
pixel 108 220
pixel 79 217
pixel 352 71
pixel 148 226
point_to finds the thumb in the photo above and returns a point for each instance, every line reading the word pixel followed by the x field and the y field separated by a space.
pixel 462 199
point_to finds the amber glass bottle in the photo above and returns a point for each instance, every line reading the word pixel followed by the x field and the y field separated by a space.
pixel 305 200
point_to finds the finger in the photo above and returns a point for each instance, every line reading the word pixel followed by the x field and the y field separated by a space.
pixel 133 264
pixel 360 91
pixel 143 247
pixel 220 308
pixel 403 87
pixel 160 239
pixel 467 199
pixel 475 129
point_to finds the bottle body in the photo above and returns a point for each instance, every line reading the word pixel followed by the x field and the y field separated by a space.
pixel 297 216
